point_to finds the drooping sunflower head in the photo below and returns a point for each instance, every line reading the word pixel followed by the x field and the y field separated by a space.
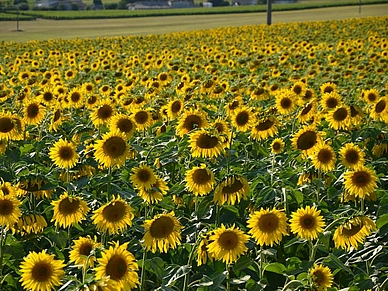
pixel 191 119
pixel 267 226
pixel 230 190
pixel 112 150
pixel 162 232
pixel 7 188
pixel 206 144
pixel 379 110
pixel 360 181
pixel 113 217
pixel 324 157
pixel 120 266
pixel 69 210
pixel 322 277
pixel 353 232
pixel 63 154
pixel 40 271
pixel 30 223
pixel 307 223
pixel 307 112
pixel 200 180
pixel 242 118
pixel 228 244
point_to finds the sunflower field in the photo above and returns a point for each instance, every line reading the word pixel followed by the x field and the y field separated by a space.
pixel 247 158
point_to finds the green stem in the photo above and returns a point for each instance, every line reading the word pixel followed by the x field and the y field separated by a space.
pixel 291 282
pixel 261 273
pixel 227 278
pixel 142 275
pixel 186 279
pixel 313 250
pixel 272 168
pixel 3 238
pixel 108 189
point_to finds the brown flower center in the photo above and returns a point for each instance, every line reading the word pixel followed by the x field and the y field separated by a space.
pixel 268 222
pixel 242 118
pixel 85 249
pixel 114 212
pixel 162 227
pixel 117 267
pixel 6 124
pixel 6 207
pixel 66 153
pixel 75 97
pixel 114 147
pixel 350 229
pixel 228 240
pixel 352 157
pixel 307 140
pixel 307 221
pixel 68 206
pixel 176 106
pixel 264 125
pixel 105 112
pixel 206 141
pixel 41 272
pixel 141 117
pixel 340 114
pixel 233 187
pixel 201 176
pixel 325 156
pixel 332 102
pixel 192 121
pixel 380 106
pixel 286 103
pixel 361 178
pixel 125 125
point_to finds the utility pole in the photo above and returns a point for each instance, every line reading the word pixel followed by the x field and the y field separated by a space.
pixel 269 11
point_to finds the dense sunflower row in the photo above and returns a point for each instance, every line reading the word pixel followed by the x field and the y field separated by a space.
pixel 249 158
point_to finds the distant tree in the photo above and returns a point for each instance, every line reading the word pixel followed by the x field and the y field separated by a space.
pixel 219 3
pixel 123 3
pixel 97 5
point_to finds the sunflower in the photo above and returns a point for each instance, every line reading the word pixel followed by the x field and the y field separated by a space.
pixel 30 223
pixel 328 88
pixel 11 127
pixel 353 232
pixel 82 252
pixel 40 271
pixel 76 98
pixel 123 123
pixel 339 118
pixel 56 119
pixel 265 128
pixel 47 96
pixel 222 127
pixel 34 186
pixel 379 110
pixel 242 118
pixel 120 266
pixel 63 154
pixel 203 254
pixel 33 112
pixel 324 158
pixel 236 103
pixel 143 177
pixel 307 223
pixel 356 115
pixel 191 119
pixel 162 232
pixel 7 188
pixel 267 226
pixel 205 144
pixel 174 108
pixel 306 139
pixel 277 146
pixel 351 155
pixel 9 210
pixel 113 217
pixel 228 244
pixel 286 101
pixel 155 193
pixel 331 101
pixel 200 180
pixel 322 277
pixel 360 181
pixel 307 112
pixel 230 190
pixel 370 96
pixel 112 150
pixel 103 113
pixel 69 210
pixel 142 119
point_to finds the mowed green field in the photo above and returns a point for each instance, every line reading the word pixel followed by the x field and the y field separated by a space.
pixel 70 29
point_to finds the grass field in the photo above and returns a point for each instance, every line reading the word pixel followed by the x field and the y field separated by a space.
pixel 51 29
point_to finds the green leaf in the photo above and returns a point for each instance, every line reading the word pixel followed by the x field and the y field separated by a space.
pixel 218 279
pixel 156 266
pixel 242 263
pixel 179 273
pixel 277 268
pixel 382 220
pixel 337 263
pixel 241 280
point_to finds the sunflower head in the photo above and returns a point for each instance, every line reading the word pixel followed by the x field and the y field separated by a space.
pixel 321 276
pixel 307 223
pixel 63 154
